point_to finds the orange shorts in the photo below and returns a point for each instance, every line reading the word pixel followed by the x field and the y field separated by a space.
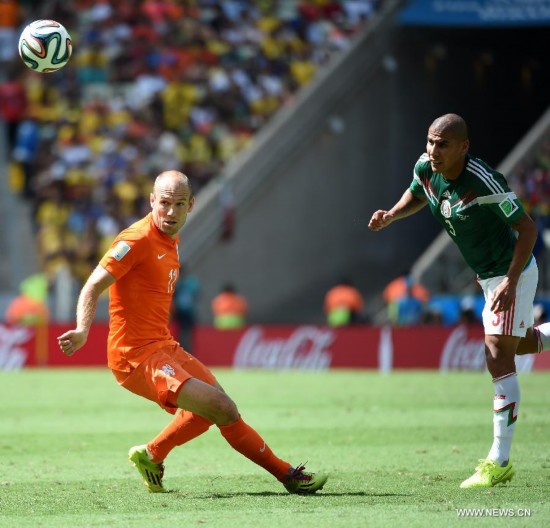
pixel 160 377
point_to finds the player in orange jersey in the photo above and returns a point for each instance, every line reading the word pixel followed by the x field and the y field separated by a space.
pixel 141 270
pixel 343 304
pixel 229 309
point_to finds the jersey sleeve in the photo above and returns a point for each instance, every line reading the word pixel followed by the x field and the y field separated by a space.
pixel 510 208
pixel 502 201
pixel 419 172
pixel 125 253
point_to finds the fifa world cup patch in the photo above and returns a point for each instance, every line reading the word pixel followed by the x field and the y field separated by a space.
pixel 120 250
pixel 508 207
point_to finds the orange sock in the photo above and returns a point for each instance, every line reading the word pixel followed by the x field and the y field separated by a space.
pixel 249 443
pixel 183 428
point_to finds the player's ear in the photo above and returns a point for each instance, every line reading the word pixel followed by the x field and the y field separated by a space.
pixel 466 146
pixel 152 199
pixel 191 204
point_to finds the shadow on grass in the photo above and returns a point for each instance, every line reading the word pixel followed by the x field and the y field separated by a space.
pixel 279 494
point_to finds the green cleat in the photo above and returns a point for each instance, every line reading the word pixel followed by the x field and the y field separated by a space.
pixel 488 473
pixel 151 472
pixel 298 481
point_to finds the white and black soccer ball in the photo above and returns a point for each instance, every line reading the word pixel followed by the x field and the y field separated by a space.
pixel 45 46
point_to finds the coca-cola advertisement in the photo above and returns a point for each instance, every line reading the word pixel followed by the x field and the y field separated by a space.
pixel 383 348
pixel 15 347
pixel 306 347
pixel 283 347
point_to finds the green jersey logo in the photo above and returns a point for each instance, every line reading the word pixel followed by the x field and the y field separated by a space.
pixel 508 207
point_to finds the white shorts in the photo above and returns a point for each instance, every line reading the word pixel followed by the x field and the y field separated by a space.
pixel 520 317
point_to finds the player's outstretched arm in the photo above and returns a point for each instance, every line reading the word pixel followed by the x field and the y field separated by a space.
pixel 406 206
pixel 72 340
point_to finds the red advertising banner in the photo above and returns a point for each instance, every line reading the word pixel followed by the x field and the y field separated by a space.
pixel 37 347
pixel 306 347
pixel 282 347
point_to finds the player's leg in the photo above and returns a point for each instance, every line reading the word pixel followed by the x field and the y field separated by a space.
pixel 500 351
pixel 214 404
pixel 536 340
pixel 204 397
pixel 182 429
pixel 186 425
pixel 159 379
pixel 496 467
pixel 167 379
pixel 504 332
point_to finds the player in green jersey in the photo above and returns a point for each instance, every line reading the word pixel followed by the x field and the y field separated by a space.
pixel 496 237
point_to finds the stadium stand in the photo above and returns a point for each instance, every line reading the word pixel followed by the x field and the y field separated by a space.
pixel 152 85
pixel 135 99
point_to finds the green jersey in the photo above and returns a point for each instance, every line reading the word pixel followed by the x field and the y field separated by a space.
pixel 477 210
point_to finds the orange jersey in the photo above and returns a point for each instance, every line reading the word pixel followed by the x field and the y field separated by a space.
pixel 145 264
pixel 9 14
pixel 229 303
pixel 343 297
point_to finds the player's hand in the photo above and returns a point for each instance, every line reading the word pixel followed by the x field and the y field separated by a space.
pixel 503 296
pixel 379 220
pixel 71 341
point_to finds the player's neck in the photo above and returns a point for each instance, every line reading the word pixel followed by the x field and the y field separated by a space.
pixel 455 172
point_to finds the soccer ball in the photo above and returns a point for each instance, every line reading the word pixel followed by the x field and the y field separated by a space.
pixel 45 46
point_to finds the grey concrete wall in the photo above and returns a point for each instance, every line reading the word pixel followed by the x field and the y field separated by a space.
pixel 305 222
pixel 305 193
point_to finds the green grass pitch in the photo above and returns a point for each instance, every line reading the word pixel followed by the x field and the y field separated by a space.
pixel 396 447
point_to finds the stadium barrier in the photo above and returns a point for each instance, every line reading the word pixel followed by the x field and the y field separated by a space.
pixel 282 347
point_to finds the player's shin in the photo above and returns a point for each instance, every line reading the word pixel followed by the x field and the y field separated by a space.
pixel 505 413
pixel 249 443
pixel 183 428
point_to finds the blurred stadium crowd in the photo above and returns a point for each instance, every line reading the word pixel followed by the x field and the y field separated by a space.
pixel 152 85
pixel 157 84
pixel 531 182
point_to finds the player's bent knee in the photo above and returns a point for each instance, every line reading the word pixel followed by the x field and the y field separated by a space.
pixel 207 401
pixel 500 366
pixel 228 412
pixel 221 411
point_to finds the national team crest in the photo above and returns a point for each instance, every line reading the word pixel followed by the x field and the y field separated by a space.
pixel 445 209
pixel 168 370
